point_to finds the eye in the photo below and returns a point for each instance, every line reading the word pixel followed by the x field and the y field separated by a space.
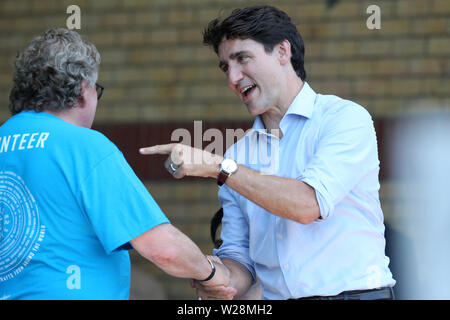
pixel 242 58
pixel 223 67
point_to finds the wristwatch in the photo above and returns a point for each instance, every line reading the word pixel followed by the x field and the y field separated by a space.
pixel 227 168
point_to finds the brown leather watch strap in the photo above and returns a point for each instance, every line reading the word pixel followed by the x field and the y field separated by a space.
pixel 221 178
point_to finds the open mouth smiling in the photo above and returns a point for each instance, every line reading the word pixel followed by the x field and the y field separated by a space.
pixel 246 90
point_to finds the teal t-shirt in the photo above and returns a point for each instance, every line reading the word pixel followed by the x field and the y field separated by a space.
pixel 69 205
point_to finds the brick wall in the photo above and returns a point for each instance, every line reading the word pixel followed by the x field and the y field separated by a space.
pixel 155 67
pixel 157 72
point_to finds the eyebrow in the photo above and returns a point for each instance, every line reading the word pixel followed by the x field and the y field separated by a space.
pixel 232 57
pixel 236 54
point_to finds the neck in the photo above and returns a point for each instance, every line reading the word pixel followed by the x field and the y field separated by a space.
pixel 71 116
pixel 273 116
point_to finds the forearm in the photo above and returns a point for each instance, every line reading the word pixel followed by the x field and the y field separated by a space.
pixel 287 198
pixel 180 257
pixel 173 252
pixel 240 277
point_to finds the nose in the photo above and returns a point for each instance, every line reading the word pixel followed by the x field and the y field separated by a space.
pixel 235 75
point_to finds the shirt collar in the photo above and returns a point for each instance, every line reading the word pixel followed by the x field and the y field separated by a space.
pixel 302 105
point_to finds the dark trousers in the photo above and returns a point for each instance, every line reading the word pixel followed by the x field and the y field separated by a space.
pixel 386 293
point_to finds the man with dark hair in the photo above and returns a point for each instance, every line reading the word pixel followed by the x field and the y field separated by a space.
pixel 262 24
pixel 70 205
pixel 308 223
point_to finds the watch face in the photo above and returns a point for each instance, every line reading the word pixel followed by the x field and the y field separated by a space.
pixel 229 165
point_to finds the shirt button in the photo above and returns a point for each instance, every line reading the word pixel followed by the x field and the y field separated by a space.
pixel 280 237
pixel 286 266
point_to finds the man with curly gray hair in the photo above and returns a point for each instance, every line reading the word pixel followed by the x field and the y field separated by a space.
pixel 70 205
pixel 49 73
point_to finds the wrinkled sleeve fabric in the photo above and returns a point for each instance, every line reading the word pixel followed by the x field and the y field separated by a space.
pixel 117 204
pixel 346 151
pixel 235 231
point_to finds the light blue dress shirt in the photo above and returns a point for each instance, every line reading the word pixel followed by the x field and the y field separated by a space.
pixel 330 144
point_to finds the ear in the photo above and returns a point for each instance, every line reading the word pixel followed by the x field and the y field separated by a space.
pixel 284 52
pixel 82 98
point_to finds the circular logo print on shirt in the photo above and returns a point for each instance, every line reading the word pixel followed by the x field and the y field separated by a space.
pixel 20 228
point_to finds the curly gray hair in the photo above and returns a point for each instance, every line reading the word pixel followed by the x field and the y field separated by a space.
pixel 49 72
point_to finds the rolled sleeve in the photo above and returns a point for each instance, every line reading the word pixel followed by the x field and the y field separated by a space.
pixel 235 234
pixel 346 152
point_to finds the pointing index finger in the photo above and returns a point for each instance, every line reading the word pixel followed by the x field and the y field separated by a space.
pixel 158 149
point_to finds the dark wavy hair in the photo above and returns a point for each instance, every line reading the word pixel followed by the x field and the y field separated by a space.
pixel 48 73
pixel 264 24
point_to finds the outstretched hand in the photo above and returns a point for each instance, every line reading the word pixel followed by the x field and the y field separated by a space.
pixel 184 160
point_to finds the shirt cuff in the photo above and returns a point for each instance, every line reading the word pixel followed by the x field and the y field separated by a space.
pixel 325 206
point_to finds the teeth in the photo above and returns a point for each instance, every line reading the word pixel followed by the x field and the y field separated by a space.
pixel 247 88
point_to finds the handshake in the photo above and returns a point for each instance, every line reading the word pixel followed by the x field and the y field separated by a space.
pixel 228 277
pixel 219 286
